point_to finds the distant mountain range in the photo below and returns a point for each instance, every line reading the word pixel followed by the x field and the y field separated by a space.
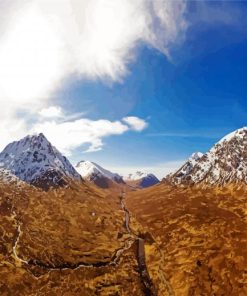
pixel 104 178
pixel 34 160
pixel 224 163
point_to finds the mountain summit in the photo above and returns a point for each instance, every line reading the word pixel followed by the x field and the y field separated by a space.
pixel 225 162
pixel 96 174
pixel 34 160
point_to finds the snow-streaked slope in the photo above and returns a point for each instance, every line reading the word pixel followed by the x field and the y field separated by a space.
pixel 7 177
pixel 225 162
pixel 34 160
pixel 96 174
pixel 141 179
pixel 186 169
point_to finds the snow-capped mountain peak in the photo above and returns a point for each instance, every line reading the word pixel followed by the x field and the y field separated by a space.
pixel 33 159
pixel 141 179
pixel 239 133
pixel 92 171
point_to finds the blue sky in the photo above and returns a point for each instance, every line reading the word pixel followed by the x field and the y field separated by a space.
pixel 189 102
pixel 184 74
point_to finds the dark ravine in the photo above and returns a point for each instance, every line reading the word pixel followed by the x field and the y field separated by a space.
pixel 146 280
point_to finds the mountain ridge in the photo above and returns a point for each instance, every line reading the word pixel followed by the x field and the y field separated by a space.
pixel 224 163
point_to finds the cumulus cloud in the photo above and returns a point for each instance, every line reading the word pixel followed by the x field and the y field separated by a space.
pixel 135 123
pixel 44 42
pixel 79 132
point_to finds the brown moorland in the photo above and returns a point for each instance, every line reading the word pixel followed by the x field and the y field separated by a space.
pixel 64 242
pixel 202 234
pixel 74 241
pixel 71 241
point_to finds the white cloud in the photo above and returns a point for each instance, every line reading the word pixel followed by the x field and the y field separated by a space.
pixel 11 129
pixel 51 112
pixel 30 63
pixel 48 40
pixel 70 135
pixel 44 42
pixel 135 123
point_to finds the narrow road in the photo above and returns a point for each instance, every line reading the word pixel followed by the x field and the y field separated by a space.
pixel 148 287
pixel 126 212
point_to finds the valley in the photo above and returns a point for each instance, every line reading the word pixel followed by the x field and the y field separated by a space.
pixel 53 236
pixel 62 233
pixel 123 148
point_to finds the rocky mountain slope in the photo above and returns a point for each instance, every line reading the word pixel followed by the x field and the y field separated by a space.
pixel 34 160
pixel 97 175
pixel 141 180
pixel 224 163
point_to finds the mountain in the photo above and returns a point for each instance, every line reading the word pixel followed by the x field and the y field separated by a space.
pixel 141 180
pixel 224 163
pixel 96 174
pixel 34 160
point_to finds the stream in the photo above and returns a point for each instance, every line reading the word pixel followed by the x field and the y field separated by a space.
pixel 143 271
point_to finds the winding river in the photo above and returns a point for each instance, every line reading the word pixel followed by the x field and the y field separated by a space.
pixel 140 252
